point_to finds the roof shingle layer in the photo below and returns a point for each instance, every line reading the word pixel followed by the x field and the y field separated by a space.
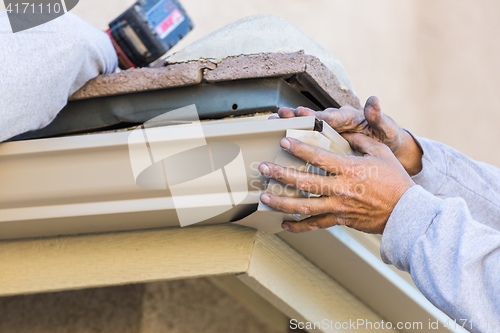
pixel 264 65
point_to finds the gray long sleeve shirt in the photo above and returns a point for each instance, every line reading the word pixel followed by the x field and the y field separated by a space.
pixel 41 67
pixel 445 231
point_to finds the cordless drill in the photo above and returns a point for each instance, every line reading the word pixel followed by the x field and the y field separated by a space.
pixel 147 30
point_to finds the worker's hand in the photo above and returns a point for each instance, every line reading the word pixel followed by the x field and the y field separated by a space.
pixel 359 192
pixel 371 122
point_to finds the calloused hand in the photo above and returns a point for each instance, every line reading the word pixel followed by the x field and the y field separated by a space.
pixel 370 122
pixel 358 191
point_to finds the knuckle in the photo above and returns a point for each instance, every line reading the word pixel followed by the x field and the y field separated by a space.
pixel 336 189
pixel 306 209
pixel 303 184
pixel 313 225
pixel 346 195
pixel 308 185
pixel 335 117
pixel 320 160
pixel 356 172
pixel 324 188
pixel 286 112
pixel 360 173
pixel 303 110
pixel 278 173
pixel 341 208
pixel 352 170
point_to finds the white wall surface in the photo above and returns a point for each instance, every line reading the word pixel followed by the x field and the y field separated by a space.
pixel 433 63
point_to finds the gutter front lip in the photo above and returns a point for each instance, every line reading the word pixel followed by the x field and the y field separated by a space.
pixel 110 140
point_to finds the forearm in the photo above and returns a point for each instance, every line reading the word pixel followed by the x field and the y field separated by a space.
pixel 452 258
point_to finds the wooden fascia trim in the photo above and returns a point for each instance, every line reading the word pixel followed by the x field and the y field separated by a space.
pixel 86 261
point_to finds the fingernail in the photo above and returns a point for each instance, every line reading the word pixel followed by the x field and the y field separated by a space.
pixel 265 198
pixel 285 144
pixel 264 169
pixel 285 227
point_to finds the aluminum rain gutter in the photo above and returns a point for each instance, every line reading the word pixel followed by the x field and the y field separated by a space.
pixel 85 184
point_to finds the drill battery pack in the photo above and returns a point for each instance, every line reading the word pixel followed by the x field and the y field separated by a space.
pixel 147 30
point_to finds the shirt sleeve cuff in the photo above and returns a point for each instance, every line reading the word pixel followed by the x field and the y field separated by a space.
pixel 434 168
pixel 409 220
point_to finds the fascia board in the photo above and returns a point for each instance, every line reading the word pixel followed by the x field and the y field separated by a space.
pixel 89 261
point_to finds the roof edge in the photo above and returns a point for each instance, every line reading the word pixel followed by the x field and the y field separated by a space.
pixel 264 65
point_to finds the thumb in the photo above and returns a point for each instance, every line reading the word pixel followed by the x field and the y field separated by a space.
pixel 373 113
pixel 365 144
pixel 387 130
pixel 376 119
